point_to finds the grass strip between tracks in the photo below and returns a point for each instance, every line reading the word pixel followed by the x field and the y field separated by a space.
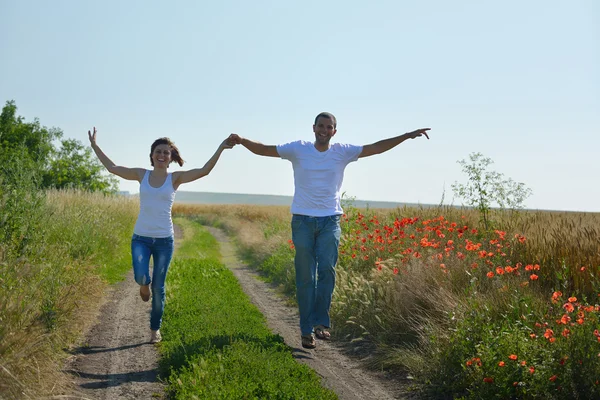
pixel 215 342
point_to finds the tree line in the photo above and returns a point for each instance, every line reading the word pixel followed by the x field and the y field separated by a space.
pixel 39 157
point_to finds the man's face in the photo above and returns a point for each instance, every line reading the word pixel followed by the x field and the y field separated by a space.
pixel 324 130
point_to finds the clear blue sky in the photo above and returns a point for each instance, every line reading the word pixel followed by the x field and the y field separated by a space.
pixel 518 81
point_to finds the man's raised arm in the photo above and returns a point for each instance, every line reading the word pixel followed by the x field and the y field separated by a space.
pixel 255 147
pixel 387 144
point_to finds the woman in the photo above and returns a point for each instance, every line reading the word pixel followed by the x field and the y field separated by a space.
pixel 153 231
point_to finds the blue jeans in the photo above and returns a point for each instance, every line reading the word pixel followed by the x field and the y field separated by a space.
pixel 316 240
pixel 161 250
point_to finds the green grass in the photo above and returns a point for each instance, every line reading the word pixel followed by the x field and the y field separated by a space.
pixel 215 342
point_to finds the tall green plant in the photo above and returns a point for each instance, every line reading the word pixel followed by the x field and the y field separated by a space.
pixel 486 188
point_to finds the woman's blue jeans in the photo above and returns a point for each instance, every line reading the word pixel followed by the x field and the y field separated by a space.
pixel 316 240
pixel 161 250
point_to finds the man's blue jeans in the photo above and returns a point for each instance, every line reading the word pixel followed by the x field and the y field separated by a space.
pixel 161 250
pixel 316 240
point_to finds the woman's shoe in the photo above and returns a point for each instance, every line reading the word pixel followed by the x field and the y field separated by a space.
pixel 155 337
pixel 145 292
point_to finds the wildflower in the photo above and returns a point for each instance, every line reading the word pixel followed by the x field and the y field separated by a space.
pixel 488 380
pixel 549 333
pixel 531 370
pixel 500 270
pixel 508 269
pixel 569 307
pixel 582 269
pixel 532 335
pixel 565 319
pixel 523 363
pixel 395 271
pixel 512 357
pixel 553 378
pixel 572 299
pixel 490 274
pixel 533 277
pixel 566 332
pixel 501 364
pixel 555 296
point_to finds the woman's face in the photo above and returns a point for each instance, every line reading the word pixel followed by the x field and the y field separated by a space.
pixel 161 156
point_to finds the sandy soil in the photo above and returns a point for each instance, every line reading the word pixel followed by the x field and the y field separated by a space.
pixel 116 360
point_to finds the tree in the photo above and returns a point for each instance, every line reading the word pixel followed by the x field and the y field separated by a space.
pixel 74 166
pixel 30 146
pixel 487 188
pixel 29 139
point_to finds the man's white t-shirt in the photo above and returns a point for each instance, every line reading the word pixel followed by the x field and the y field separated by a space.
pixel 318 176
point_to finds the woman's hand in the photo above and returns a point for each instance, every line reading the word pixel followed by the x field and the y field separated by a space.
pixel 92 137
pixel 227 144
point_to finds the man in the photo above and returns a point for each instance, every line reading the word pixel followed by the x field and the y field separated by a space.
pixel 316 211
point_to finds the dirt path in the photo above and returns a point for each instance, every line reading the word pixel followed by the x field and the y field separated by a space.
pixel 116 360
pixel 339 373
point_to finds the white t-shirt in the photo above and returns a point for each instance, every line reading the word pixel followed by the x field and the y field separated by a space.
pixel 318 176
pixel 154 219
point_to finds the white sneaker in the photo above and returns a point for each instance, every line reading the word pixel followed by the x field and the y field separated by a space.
pixel 155 337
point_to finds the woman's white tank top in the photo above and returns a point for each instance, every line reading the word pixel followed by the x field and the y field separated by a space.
pixel 154 219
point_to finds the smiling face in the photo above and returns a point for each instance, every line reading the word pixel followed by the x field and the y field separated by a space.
pixel 161 156
pixel 324 130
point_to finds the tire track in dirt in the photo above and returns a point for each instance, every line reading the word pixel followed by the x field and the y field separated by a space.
pixel 339 373
pixel 116 359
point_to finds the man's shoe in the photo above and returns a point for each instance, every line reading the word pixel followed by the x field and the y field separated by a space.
pixel 308 341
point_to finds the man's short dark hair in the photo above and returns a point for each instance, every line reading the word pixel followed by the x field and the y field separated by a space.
pixel 327 115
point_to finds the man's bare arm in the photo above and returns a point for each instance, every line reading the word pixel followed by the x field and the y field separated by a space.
pixel 255 147
pixel 388 144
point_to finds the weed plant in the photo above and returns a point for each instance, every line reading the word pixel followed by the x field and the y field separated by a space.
pixel 53 266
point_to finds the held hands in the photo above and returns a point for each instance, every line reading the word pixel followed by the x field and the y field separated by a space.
pixel 418 133
pixel 227 144
pixel 92 137
pixel 234 138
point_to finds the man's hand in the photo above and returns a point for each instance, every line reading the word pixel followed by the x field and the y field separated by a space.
pixel 419 133
pixel 234 138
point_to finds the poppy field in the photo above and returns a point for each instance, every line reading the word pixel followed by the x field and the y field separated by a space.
pixel 464 312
